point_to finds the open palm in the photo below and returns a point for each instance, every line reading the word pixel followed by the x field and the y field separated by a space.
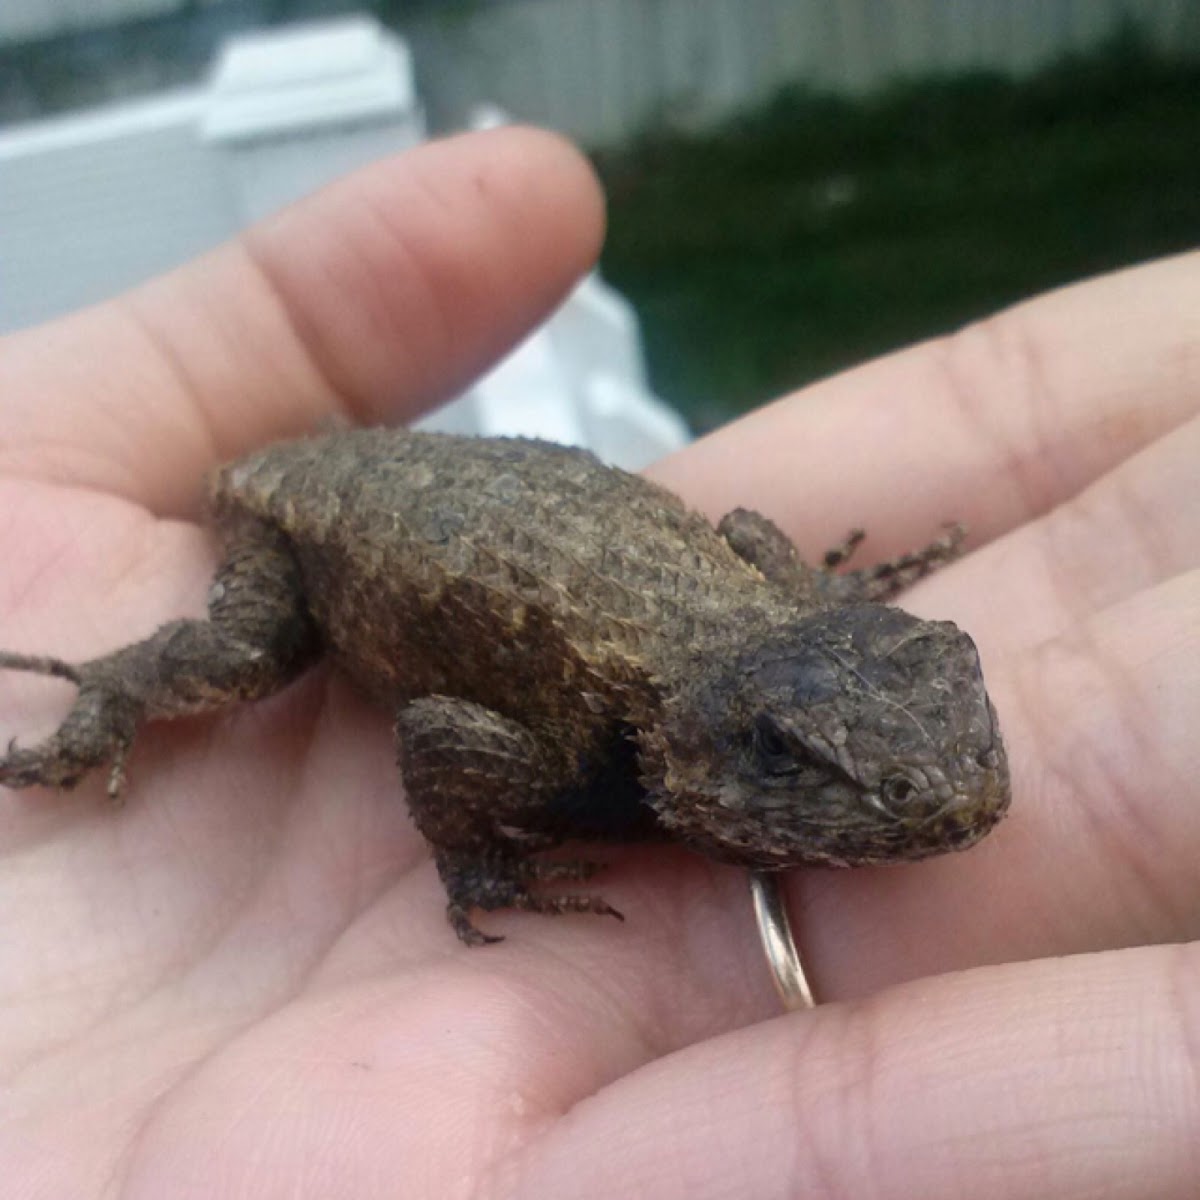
pixel 241 984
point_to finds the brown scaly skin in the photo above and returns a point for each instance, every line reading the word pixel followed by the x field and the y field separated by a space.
pixel 571 653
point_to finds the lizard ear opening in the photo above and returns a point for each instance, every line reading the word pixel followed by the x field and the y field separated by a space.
pixel 897 790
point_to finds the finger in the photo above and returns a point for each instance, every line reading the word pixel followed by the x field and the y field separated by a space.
pixel 991 426
pixel 1135 527
pixel 1067 1078
pixel 374 298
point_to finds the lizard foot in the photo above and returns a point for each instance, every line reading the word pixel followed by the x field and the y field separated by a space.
pixel 99 729
pixel 884 581
pixel 491 881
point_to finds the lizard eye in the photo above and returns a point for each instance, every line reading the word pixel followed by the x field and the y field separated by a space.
pixel 768 738
pixel 780 758
pixel 773 749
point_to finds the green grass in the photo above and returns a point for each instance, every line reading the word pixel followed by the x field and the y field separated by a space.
pixel 820 231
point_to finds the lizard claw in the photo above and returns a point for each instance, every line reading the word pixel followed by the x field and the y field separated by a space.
pixel 468 932
pixel 97 730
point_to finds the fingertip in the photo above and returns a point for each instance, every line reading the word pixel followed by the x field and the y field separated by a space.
pixel 575 187
pixel 410 277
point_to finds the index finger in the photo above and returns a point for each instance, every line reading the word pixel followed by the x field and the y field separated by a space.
pixel 991 426
pixel 373 299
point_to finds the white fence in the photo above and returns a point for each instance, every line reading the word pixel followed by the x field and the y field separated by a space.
pixel 96 202
pixel 603 70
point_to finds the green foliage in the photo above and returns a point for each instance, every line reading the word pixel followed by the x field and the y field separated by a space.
pixel 821 230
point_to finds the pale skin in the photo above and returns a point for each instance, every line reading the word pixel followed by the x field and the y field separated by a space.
pixel 240 982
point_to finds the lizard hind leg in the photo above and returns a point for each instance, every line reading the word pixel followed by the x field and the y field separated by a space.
pixel 760 542
pixel 257 637
pixel 480 787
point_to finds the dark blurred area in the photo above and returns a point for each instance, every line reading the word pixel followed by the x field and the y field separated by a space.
pixel 819 231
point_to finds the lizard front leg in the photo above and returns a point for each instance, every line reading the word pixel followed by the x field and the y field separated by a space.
pixel 760 542
pixel 482 789
pixel 886 580
pixel 257 637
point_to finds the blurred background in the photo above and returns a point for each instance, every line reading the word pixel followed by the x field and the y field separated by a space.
pixel 794 185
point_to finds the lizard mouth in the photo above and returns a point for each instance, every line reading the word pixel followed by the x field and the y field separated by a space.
pixel 976 808
pixel 965 820
pixel 959 835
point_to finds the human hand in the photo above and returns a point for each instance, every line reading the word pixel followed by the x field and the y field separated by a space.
pixel 1065 433
pixel 241 982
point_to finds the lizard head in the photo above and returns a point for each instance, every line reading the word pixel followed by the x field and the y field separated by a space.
pixel 855 735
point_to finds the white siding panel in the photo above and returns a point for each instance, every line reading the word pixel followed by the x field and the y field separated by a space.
pixel 22 19
pixel 103 217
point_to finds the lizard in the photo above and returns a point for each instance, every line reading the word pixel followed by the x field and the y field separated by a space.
pixel 571 654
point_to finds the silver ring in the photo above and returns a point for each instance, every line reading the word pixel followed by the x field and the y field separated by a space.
pixel 778 943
